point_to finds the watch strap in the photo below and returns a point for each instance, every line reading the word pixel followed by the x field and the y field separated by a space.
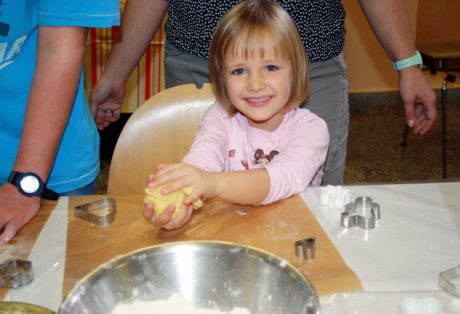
pixel 49 194
pixel 408 62
pixel 44 193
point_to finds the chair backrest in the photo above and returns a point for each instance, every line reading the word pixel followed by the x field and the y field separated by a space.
pixel 161 130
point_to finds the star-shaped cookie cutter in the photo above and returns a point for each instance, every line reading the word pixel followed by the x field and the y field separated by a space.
pixel 363 213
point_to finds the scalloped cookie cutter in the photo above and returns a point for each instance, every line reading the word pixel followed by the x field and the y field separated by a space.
pixel 16 273
pixel 363 213
pixel 446 280
pixel 99 212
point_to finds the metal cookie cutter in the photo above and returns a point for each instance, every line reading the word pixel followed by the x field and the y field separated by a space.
pixel 306 248
pixel 16 273
pixel 446 280
pixel 362 213
pixel 100 212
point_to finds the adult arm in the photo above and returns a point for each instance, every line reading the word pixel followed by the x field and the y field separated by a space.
pixel 140 21
pixel 59 60
pixel 390 23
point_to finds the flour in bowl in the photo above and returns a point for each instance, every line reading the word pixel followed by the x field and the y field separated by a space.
pixel 175 304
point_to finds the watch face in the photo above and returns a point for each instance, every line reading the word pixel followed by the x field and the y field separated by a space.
pixel 30 184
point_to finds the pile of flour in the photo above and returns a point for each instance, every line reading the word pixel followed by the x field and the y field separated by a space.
pixel 175 304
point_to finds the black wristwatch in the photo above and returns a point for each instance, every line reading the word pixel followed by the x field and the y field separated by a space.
pixel 30 184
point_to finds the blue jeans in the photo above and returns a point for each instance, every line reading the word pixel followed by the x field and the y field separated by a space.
pixel 86 190
pixel 328 98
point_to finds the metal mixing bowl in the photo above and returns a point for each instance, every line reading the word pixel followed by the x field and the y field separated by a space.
pixel 208 274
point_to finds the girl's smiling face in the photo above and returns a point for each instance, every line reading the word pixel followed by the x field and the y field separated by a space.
pixel 259 86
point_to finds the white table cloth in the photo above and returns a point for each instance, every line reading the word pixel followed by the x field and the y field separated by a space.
pixel 417 237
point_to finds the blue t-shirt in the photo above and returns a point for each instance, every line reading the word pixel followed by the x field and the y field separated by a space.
pixel 77 160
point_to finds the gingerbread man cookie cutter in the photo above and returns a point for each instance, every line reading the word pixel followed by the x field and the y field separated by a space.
pixel 363 213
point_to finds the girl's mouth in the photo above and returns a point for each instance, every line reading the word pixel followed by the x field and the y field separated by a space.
pixel 259 101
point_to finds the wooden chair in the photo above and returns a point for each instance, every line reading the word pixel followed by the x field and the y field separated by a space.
pixel 161 130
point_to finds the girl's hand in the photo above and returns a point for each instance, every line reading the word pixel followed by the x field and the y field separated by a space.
pixel 165 220
pixel 202 183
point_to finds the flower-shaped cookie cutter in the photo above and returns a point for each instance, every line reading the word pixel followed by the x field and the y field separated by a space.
pixel 446 280
pixel 363 213
pixel 16 273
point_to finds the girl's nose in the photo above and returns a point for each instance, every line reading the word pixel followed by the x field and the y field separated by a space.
pixel 256 82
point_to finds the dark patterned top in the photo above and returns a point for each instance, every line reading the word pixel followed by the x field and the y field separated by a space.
pixel 320 22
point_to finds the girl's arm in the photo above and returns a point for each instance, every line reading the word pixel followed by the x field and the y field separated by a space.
pixel 303 142
pixel 242 187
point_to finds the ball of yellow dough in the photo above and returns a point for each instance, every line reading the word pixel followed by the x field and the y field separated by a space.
pixel 161 202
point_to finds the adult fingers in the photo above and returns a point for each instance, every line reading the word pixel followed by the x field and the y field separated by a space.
pixel 10 230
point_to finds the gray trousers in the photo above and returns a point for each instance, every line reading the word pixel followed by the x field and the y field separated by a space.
pixel 328 98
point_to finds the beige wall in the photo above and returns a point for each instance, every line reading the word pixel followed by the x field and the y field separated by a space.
pixel 369 68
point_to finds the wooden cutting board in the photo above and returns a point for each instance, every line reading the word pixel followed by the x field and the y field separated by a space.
pixel 273 228
pixel 21 245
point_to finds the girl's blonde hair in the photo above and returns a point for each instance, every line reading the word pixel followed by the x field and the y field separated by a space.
pixel 254 26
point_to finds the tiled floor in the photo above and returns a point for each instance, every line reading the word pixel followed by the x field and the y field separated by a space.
pixel 375 153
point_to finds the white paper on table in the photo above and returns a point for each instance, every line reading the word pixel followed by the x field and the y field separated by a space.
pixel 48 262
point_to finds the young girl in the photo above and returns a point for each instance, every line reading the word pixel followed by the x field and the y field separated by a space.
pixel 255 145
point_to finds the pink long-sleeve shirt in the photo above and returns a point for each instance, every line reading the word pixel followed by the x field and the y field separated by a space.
pixel 293 154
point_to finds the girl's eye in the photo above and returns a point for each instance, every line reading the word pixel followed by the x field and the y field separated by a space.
pixel 238 72
pixel 272 67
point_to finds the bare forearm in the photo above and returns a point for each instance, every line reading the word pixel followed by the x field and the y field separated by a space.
pixel 140 20
pixel 59 60
pixel 242 187
pixel 390 22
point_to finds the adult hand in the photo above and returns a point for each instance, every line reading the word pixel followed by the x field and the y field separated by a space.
pixel 16 210
pixel 106 100
pixel 418 98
